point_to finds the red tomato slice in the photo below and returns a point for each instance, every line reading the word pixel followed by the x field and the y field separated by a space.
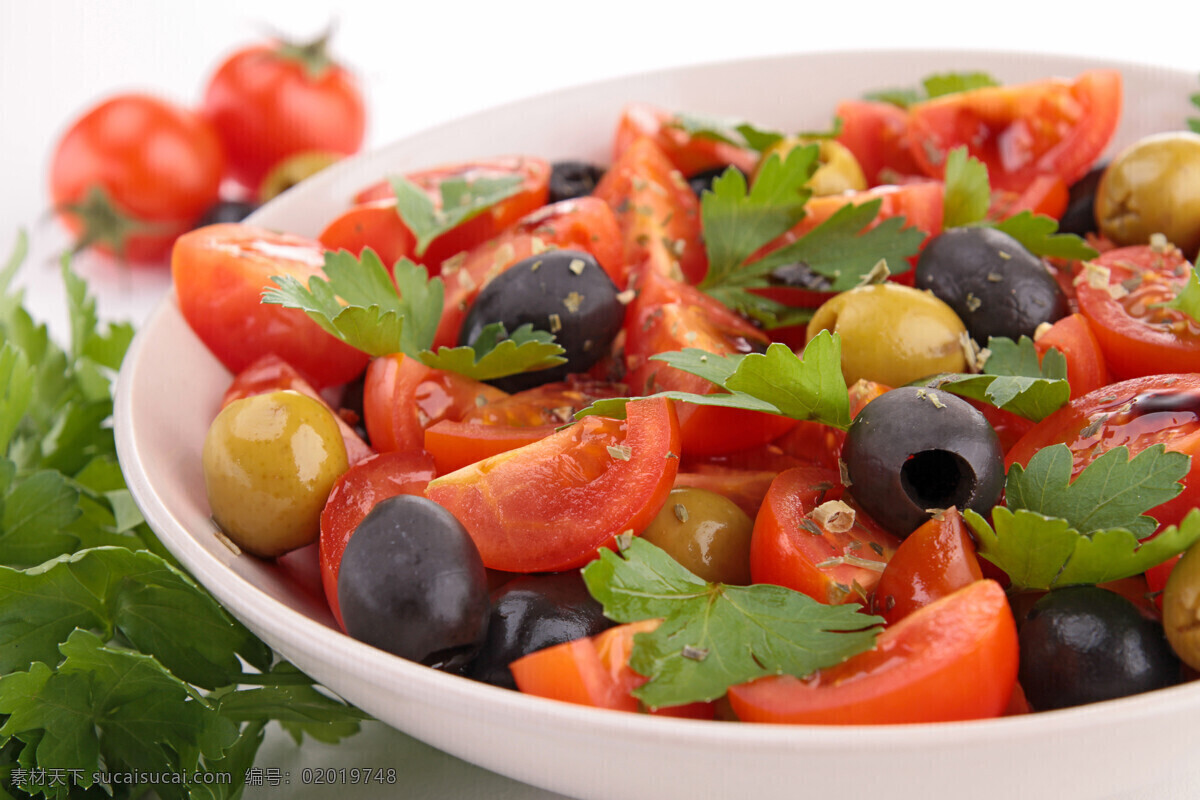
pixel 583 223
pixel 376 225
pixel 1050 127
pixel 745 487
pixel 402 397
pixel 549 506
pixel 690 154
pixel 669 315
pixel 271 373
pixel 936 560
pixel 1046 194
pixel 1117 292
pixel 791 548
pixel 1137 413
pixel 594 671
pixel 954 659
pixel 220 273
pixel 877 134
pixel 658 214
pixel 352 498
pixel 1073 337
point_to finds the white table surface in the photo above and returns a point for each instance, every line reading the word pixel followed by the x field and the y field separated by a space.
pixel 422 63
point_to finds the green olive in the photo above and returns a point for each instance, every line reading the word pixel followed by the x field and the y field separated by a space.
pixel 292 170
pixel 892 334
pixel 837 169
pixel 269 463
pixel 705 532
pixel 1181 608
pixel 1153 187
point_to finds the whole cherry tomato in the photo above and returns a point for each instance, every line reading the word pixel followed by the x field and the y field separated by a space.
pixel 133 173
pixel 272 101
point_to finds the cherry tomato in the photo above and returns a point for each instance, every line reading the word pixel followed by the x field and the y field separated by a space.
pixel 272 101
pixel 1118 293
pixel 690 154
pixel 220 274
pixel 954 659
pixel 550 505
pixel 936 560
pixel 1073 337
pixel 1137 413
pixel 133 173
pixel 375 224
pixel 352 498
pixel 877 134
pixel 594 671
pixel 1050 127
pixel 792 547
pixel 669 315
pixel 658 213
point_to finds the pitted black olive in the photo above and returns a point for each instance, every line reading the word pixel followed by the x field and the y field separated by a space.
pixel 411 582
pixel 532 613
pixel 702 182
pixel 913 450
pixel 1080 216
pixel 570 179
pixel 227 211
pixel 565 292
pixel 995 285
pixel 1084 644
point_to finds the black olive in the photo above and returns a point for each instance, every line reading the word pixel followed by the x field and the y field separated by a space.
pixel 702 182
pixel 226 211
pixel 570 179
pixel 565 292
pixel 1080 216
pixel 1084 644
pixel 532 613
pixel 799 275
pixel 411 582
pixel 913 450
pixel 995 285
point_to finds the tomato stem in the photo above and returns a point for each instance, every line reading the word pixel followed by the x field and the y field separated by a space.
pixel 102 221
pixel 313 55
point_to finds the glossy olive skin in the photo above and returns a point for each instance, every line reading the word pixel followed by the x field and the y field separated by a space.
pixel 1080 216
pixel 892 334
pixel 1084 644
pixel 705 532
pixel 565 292
pixel 269 462
pixel 532 613
pixel 838 170
pixel 571 179
pixel 1181 608
pixel 1153 186
pixel 995 285
pixel 411 582
pixel 913 450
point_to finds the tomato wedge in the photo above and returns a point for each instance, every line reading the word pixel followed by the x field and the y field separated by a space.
pixel 1049 127
pixel 1119 293
pixel 690 154
pixel 1073 337
pixel 549 506
pixel 220 273
pixel 877 134
pixel 954 659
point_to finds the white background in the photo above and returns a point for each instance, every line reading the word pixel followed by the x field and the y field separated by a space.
pixel 422 63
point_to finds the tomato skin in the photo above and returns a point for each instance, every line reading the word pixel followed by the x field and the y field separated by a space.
pixel 1049 127
pixel 936 560
pixel 1046 195
pixel 658 213
pixel 220 273
pixel 402 397
pixel 1136 341
pixel 877 134
pixel 1110 416
pixel 266 106
pixel 114 147
pixel 954 659
pixel 785 551
pixel 549 506
pixel 689 154
pixel 1073 337
pixel 374 224
pixel 352 498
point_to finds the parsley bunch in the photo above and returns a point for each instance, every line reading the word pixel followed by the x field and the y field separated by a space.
pixel 112 659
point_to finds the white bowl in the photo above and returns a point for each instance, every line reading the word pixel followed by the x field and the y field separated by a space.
pixel 170 387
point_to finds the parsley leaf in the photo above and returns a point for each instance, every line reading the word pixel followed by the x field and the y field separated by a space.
pixel 461 199
pixel 1013 380
pixel 1058 532
pixel 714 636
pixel 968 192
pixel 496 354
pixel 936 85
pixel 1187 299
pixel 1193 123
pixel 1037 234
pixel 736 132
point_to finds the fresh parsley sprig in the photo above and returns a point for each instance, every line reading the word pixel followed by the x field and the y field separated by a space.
pixel 1013 379
pixel 358 303
pixel 1057 532
pixel 713 636
pixel 1187 299
pixel 740 133
pixel 1193 123
pixel 461 199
